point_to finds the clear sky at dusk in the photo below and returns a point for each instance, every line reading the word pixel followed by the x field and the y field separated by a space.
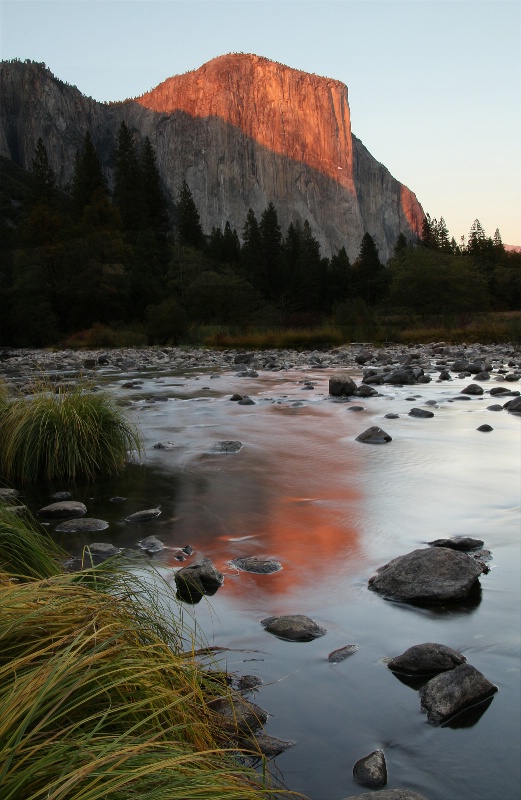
pixel 434 86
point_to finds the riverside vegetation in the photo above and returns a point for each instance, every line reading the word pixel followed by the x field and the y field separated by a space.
pixel 101 695
pixel 100 266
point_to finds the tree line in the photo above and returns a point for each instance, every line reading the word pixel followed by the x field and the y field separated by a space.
pixel 126 256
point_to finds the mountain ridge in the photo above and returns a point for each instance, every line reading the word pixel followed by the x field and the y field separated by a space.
pixel 241 130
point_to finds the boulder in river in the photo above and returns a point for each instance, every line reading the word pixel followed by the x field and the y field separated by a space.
pixel 294 627
pixel 374 435
pixel 472 388
pixel 65 509
pixel 428 658
pixel 513 406
pixel 238 715
pixel 420 412
pixel 427 576
pixel 371 770
pixel 200 577
pixel 341 384
pixel 451 692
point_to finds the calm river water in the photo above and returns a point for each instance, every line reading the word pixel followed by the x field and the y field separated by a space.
pixel 332 510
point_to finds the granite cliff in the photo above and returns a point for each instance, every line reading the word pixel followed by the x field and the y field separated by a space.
pixel 241 130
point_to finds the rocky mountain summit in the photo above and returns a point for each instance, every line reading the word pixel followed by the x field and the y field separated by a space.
pixel 242 131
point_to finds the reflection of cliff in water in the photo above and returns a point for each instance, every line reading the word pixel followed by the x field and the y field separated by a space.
pixel 284 503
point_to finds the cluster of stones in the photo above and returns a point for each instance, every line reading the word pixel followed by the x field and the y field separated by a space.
pixel 388 365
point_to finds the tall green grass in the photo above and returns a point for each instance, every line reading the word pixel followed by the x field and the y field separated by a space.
pixel 67 434
pixel 26 550
pixel 99 702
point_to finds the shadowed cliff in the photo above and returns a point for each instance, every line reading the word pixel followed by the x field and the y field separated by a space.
pixel 241 130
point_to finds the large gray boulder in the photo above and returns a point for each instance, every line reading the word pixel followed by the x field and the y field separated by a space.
pixel 341 385
pixel 427 576
pixel 451 692
pixel 428 658
pixel 294 627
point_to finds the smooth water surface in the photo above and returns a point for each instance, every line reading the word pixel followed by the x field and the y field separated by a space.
pixel 333 510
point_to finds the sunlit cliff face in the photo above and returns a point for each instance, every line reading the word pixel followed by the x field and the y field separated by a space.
pixel 290 112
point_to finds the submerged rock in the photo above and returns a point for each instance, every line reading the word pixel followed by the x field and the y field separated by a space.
pixel 427 576
pixel 64 508
pixel 78 525
pixel 458 543
pixel 388 794
pixel 336 656
pixel 226 447
pixel 268 746
pixel 151 544
pixel 429 658
pixel 262 566
pixel 371 770
pixel 293 628
pixel 103 549
pixel 451 692
pixel 143 516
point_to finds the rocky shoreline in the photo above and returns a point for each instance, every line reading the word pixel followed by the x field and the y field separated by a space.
pixel 437 360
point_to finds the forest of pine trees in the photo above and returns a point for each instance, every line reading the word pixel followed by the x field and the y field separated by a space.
pixel 123 256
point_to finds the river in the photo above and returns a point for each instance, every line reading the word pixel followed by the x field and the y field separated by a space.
pixel 332 510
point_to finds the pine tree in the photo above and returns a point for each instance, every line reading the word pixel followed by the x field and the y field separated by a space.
pixel 43 173
pixel 269 281
pixel 128 195
pixel 428 235
pixel 370 278
pixel 88 176
pixel 154 198
pixel 188 219
pixel 442 237
pixel 339 277
pixel 251 257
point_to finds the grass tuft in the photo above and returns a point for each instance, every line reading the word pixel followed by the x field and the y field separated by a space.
pixel 99 702
pixel 64 434
pixel 26 550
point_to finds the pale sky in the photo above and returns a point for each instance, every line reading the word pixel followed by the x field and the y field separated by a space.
pixel 434 85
